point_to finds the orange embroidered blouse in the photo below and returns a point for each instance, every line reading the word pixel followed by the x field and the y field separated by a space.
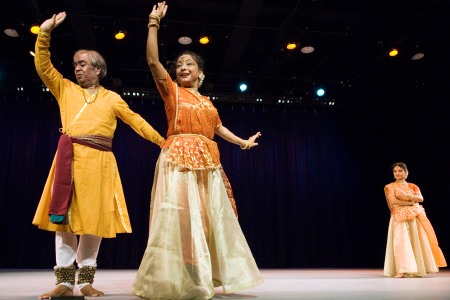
pixel 192 120
pixel 407 212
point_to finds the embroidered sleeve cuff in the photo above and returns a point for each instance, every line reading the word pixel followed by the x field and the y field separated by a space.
pixel 44 33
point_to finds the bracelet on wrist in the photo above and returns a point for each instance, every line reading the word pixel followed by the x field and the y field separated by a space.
pixel 152 16
pixel 151 24
pixel 246 146
pixel 154 20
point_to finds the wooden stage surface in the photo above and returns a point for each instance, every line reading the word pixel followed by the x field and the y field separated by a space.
pixel 311 284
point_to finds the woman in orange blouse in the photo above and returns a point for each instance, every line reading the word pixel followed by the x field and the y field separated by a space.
pixel 412 248
pixel 195 242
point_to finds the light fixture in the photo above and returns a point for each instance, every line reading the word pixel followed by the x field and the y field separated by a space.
pixel 204 40
pixel 120 35
pixel 32 53
pixel 291 46
pixel 243 87
pixel 393 52
pixel 307 49
pixel 417 56
pixel 34 29
pixel 320 92
pixel 184 40
pixel 11 32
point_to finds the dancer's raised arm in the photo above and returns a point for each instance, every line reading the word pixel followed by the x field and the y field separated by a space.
pixel 155 17
pixel 53 22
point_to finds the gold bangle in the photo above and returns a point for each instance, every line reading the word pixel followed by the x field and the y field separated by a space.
pixel 151 16
pixel 246 146
pixel 153 24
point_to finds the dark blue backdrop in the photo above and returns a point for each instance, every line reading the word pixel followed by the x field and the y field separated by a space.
pixel 310 196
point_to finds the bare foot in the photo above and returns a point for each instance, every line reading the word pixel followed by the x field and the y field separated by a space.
pixel 413 275
pixel 59 290
pixel 88 290
pixel 399 275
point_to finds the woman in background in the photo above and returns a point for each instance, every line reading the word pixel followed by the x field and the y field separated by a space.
pixel 412 248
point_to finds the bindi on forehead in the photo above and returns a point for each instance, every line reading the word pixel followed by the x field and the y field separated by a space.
pixel 185 58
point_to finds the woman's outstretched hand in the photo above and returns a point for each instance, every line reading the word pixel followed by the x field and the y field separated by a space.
pixel 53 22
pixel 252 139
pixel 159 10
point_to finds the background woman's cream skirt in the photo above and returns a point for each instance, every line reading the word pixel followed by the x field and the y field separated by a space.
pixel 412 248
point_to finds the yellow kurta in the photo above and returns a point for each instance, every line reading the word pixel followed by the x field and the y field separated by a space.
pixel 98 204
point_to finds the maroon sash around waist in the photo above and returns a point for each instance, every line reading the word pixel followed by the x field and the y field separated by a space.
pixel 94 141
pixel 62 184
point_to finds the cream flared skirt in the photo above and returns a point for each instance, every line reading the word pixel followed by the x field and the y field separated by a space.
pixel 195 241
pixel 408 249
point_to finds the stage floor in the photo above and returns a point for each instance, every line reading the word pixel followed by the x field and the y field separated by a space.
pixel 311 284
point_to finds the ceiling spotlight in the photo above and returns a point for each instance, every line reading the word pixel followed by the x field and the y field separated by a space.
pixel 320 92
pixel 35 29
pixel 120 35
pixel 11 32
pixel 184 40
pixel 204 40
pixel 291 46
pixel 393 52
pixel 307 49
pixel 417 56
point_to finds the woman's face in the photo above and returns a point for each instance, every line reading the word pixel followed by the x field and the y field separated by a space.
pixel 399 173
pixel 187 71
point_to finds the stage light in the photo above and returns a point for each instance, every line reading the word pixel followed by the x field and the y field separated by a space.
pixel 35 29
pixel 184 40
pixel 417 56
pixel 204 40
pixel 418 53
pixel 393 52
pixel 243 87
pixel 320 92
pixel 291 46
pixel 307 49
pixel 11 32
pixel 120 35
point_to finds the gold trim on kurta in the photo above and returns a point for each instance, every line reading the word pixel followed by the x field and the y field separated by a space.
pixel 124 224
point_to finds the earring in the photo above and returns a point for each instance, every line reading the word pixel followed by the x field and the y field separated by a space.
pixel 202 77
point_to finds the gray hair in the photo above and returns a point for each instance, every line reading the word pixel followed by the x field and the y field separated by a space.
pixel 96 60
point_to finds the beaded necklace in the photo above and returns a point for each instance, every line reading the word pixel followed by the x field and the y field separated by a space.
pixel 197 95
pixel 89 100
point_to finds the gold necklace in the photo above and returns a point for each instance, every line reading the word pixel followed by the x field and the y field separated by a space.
pixel 194 91
pixel 89 101
pixel 197 95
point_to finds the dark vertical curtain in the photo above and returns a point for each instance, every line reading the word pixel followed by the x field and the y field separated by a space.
pixel 309 196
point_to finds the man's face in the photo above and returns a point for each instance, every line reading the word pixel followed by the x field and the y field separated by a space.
pixel 85 73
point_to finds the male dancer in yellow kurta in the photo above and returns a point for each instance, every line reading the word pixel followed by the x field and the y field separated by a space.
pixel 97 206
